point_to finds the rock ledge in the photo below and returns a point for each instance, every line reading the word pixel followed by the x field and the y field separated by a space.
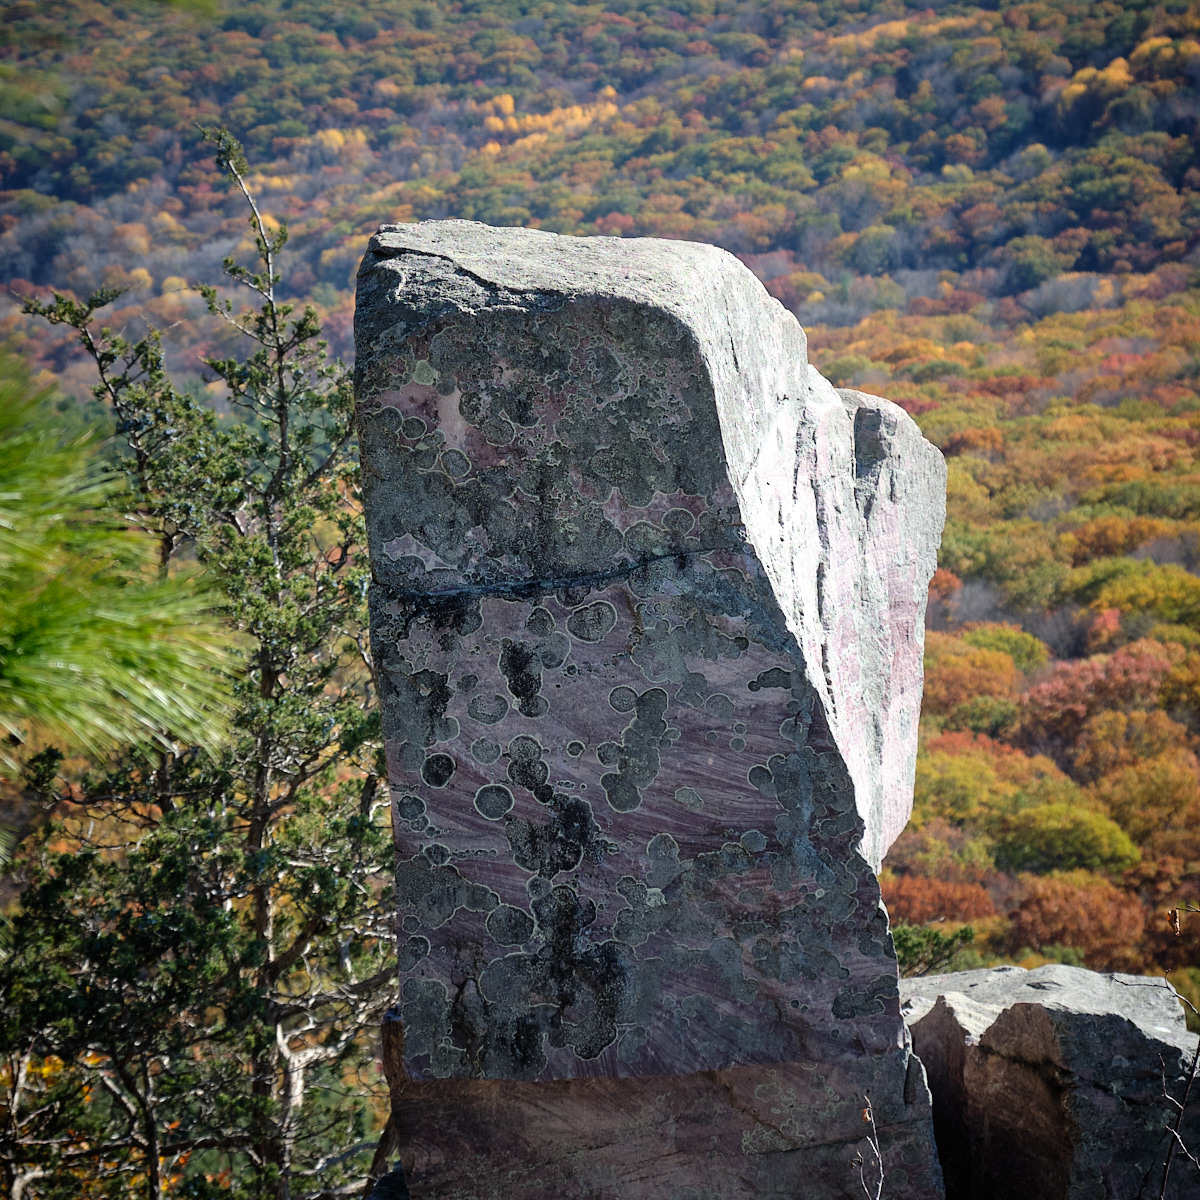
pixel 1048 1084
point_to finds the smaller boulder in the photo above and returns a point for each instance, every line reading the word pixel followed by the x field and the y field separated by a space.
pixel 1053 1084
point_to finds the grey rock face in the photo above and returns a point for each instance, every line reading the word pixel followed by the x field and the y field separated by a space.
pixel 900 490
pixel 1048 1084
pixel 647 612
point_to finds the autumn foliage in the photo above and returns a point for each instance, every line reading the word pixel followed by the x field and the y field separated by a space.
pixel 1054 712
pixel 918 900
pixel 1071 831
pixel 989 215
pixel 1080 910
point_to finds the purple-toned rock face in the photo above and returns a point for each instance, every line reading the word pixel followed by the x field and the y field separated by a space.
pixel 647 617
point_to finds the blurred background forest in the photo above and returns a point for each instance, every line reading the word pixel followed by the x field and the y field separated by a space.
pixel 989 215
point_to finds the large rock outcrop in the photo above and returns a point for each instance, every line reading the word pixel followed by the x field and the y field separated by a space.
pixel 647 614
pixel 1049 1084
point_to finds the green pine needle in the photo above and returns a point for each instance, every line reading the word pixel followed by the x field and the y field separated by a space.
pixel 96 648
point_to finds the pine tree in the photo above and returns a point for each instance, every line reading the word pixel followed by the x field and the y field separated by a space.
pixel 98 646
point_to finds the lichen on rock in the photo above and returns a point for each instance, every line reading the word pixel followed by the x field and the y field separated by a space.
pixel 647 614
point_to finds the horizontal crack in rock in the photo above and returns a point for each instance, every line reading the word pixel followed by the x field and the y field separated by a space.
pixel 525 589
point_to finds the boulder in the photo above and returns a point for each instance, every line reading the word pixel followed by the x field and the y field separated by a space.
pixel 1050 1084
pixel 647 618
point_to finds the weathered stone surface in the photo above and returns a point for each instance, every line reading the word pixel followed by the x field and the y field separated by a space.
pixel 647 614
pixel 898 488
pixel 1048 1084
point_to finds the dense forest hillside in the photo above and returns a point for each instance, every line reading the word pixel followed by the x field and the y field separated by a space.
pixel 990 215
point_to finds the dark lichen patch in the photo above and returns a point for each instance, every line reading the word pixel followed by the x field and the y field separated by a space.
pixel 575 748
pixel 484 751
pixel 666 652
pixel 572 597
pixel 608 754
pixel 438 770
pixel 776 677
pixel 560 843
pixel 592 623
pixel 554 651
pixel 456 464
pixel 582 984
pixel 434 892
pixel 488 710
pixel 527 768
pixel 416 708
pixel 540 622
pixel 645 914
pixel 726 956
pixel 637 755
pixel 679 521
pixel 412 952
pixel 498 431
pixel 409 808
pixel 521 665
pixel 426 1013
pixel 866 1001
pixel 510 926
pixel 494 801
